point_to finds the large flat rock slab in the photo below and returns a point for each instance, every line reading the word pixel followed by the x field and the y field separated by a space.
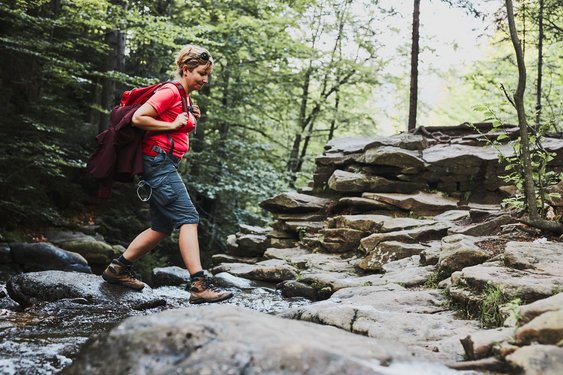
pixel 424 204
pixel 539 257
pixel 48 286
pixel 272 270
pixel 418 318
pixel 44 256
pixel 230 340
pixel 529 286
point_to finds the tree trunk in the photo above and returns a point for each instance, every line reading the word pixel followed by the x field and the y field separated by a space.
pixel 115 61
pixel 333 121
pixel 540 64
pixel 520 110
pixel 294 153
pixel 534 217
pixel 413 99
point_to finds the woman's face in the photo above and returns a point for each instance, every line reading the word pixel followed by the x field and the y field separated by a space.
pixel 197 77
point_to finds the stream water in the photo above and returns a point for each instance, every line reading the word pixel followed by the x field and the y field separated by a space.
pixel 45 338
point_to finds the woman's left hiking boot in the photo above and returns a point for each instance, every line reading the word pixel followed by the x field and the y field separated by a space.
pixel 202 290
pixel 117 273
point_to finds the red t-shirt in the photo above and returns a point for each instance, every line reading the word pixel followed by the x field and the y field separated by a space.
pixel 167 103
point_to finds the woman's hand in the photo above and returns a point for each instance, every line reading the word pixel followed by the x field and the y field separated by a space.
pixel 181 120
pixel 196 111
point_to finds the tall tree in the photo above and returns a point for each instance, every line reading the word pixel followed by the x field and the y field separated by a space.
pixel 529 188
pixel 413 96
pixel 540 64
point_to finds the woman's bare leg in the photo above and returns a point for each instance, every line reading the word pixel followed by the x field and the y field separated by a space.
pixel 189 248
pixel 143 243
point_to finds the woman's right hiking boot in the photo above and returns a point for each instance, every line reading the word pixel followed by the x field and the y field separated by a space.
pixel 202 290
pixel 117 273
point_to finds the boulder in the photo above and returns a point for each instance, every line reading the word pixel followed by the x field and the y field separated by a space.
pixel 459 251
pixel 250 245
pixel 31 288
pixel 250 229
pixel 376 223
pixel 43 256
pixel 545 329
pixel 174 275
pixel 94 249
pixel 538 360
pixel 480 344
pixel 530 311
pixel 360 205
pixel 227 280
pixel 292 288
pixel 238 341
pixel 273 270
pixel 224 258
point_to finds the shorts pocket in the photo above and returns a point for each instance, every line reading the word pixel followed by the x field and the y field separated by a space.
pixel 164 194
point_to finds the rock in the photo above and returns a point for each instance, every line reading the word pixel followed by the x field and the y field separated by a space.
pixel 422 204
pixel 459 251
pixel 335 159
pixel 174 275
pixel 386 252
pixel 226 280
pixel 308 226
pixel 528 286
pixel 431 254
pixel 224 258
pixel 47 286
pixel 530 311
pixel 250 245
pixel 417 317
pixel 5 254
pixel 249 229
pixel 294 288
pixel 480 344
pixel 357 204
pixel 419 234
pixel 376 223
pixel 392 156
pixel 486 228
pixel 538 360
pixel 298 216
pixel 238 341
pixel 283 243
pixel 406 272
pixel 273 270
pixel 293 202
pixel 540 257
pixel 94 249
pixel 544 329
pixel 287 254
pixel 347 182
pixel 44 256
pixel 350 145
pixel 452 215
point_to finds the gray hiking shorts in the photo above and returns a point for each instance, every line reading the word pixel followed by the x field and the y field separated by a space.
pixel 170 203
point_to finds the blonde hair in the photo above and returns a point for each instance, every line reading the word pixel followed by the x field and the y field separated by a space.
pixel 192 56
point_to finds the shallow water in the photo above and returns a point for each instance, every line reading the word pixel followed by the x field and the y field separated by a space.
pixel 46 338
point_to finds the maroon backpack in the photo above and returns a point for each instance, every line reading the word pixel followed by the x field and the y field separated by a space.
pixel 119 155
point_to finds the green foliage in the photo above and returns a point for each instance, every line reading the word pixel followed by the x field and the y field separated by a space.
pixel 512 162
pixel 489 307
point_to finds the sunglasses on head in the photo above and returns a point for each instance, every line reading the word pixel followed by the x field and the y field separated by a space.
pixel 204 56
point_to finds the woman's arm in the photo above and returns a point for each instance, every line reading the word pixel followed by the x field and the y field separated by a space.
pixel 144 118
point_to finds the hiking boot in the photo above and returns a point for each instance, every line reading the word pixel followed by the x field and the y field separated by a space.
pixel 202 290
pixel 116 273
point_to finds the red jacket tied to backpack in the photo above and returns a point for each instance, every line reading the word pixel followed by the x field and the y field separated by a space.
pixel 119 156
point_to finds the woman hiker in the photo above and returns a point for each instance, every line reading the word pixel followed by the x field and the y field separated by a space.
pixel 167 123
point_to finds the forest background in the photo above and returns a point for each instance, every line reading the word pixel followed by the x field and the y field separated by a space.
pixel 288 77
